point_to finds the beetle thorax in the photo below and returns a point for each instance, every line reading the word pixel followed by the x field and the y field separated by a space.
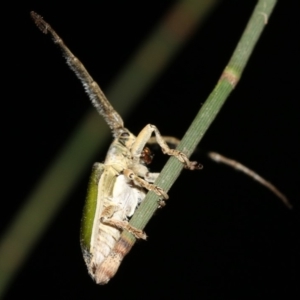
pixel 119 153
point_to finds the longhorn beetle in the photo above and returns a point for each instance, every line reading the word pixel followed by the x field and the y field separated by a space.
pixel 120 184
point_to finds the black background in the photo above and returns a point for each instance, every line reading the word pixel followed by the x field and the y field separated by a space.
pixel 221 234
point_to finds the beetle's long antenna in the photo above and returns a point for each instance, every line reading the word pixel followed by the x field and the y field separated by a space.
pixel 238 166
pixel 97 97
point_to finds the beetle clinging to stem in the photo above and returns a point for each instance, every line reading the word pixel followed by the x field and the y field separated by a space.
pixel 119 185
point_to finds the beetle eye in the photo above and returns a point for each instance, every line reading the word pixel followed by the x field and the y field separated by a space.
pixel 124 134
pixel 124 137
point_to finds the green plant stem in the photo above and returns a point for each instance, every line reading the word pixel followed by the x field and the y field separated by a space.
pixel 228 80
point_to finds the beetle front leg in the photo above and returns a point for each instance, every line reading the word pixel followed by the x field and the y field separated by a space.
pixel 143 138
pixel 170 140
pixel 107 218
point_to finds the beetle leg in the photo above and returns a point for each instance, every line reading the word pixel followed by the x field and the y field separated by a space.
pixel 170 140
pixel 150 177
pixel 106 218
pixel 144 137
pixel 143 183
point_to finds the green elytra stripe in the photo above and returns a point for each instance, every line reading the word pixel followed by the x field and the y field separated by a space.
pixel 90 206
